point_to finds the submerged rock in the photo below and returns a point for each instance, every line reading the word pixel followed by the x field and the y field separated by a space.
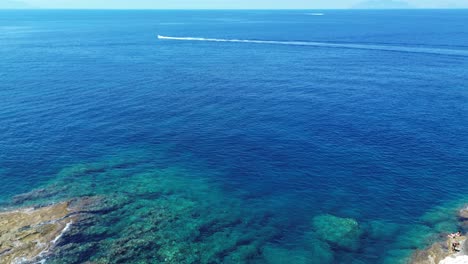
pixel 463 213
pixel 416 236
pixel 463 217
pixel 378 229
pixel 320 251
pixel 279 255
pixel 37 194
pixel 28 234
pixel 342 232
pixel 157 215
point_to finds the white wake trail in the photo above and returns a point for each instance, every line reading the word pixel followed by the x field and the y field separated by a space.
pixel 439 51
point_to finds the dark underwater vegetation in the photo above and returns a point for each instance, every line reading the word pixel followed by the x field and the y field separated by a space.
pixel 352 150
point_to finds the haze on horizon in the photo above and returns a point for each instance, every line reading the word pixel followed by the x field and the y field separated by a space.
pixel 231 4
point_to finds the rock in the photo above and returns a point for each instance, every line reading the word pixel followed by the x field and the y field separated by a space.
pixel 443 253
pixel 464 225
pixel 398 256
pixel 320 251
pixel 440 253
pixel 463 214
pixel 446 227
pixel 432 255
pixel 279 255
pixel 342 232
pixel 416 236
pixel 460 257
pixel 96 204
pixel 463 217
pixel 460 249
pixel 455 260
pixel 441 213
pixel 36 194
pixel 28 234
pixel 381 229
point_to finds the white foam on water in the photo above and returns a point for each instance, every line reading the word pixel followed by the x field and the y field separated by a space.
pixel 438 51
pixel 42 255
pixel 65 229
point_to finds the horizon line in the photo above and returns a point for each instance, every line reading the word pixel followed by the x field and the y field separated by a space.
pixel 234 9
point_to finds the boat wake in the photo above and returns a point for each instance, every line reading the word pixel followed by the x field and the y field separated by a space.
pixel 439 51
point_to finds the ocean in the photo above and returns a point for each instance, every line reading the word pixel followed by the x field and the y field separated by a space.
pixel 286 136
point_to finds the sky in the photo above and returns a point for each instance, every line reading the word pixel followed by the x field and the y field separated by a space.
pixel 232 4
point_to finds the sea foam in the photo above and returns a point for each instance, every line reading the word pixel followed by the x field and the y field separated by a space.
pixel 409 49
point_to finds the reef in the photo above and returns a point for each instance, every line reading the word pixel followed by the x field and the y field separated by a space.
pixel 118 211
pixel 132 208
pixel 341 232
pixel 463 217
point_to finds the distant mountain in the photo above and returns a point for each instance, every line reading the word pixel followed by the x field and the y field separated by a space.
pixel 383 4
pixel 11 4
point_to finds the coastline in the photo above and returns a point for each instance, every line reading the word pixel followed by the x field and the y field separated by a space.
pixel 124 208
pixel 27 241
pixel 445 252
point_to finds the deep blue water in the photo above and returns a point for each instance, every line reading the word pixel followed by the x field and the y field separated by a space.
pixel 369 134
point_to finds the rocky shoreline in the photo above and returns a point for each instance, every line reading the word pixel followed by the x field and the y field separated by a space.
pixel 445 252
pixel 31 234
pixel 28 234
pixel 120 210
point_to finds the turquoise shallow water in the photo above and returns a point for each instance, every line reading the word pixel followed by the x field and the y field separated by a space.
pixel 239 152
